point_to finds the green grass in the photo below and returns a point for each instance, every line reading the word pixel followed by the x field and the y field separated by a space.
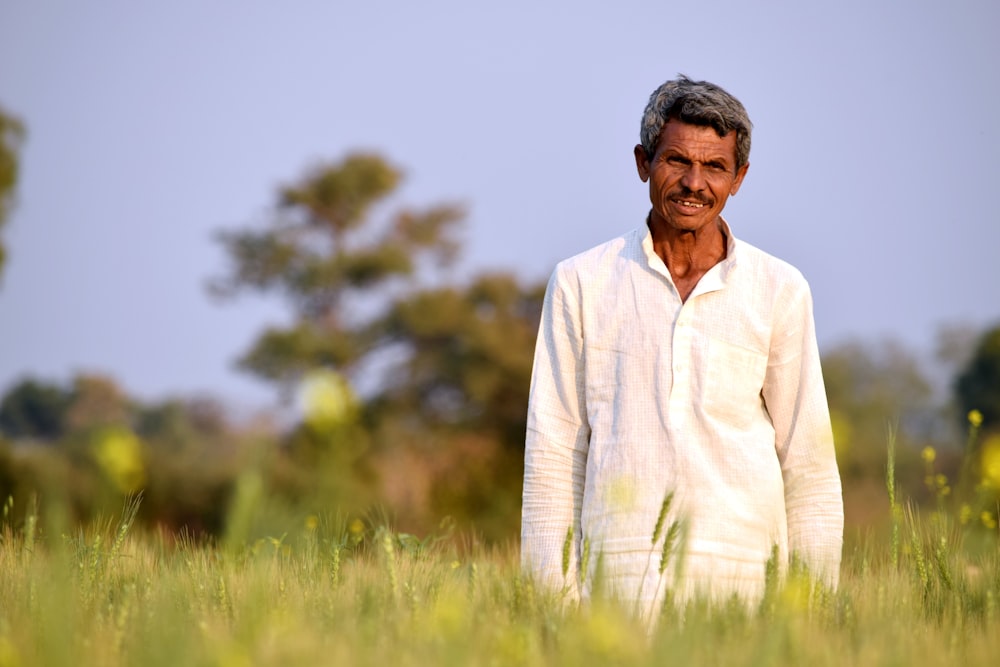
pixel 333 592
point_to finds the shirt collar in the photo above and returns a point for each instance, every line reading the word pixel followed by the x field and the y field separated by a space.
pixel 715 278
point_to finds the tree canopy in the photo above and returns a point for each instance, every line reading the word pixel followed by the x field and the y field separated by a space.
pixel 11 136
pixel 872 387
pixel 331 260
pixel 460 353
pixel 977 387
pixel 445 366
pixel 470 354
pixel 34 409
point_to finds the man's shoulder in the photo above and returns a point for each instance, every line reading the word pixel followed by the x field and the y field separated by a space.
pixel 624 247
pixel 763 263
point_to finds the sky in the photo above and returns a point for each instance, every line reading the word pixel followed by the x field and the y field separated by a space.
pixel 153 126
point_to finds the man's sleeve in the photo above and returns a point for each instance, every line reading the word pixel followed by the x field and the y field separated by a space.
pixel 556 443
pixel 796 400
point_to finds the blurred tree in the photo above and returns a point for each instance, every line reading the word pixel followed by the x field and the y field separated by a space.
pixel 179 423
pixel 327 257
pixel 166 422
pixel 453 409
pixel 446 369
pixel 871 387
pixel 11 136
pixel 954 346
pixel 977 387
pixel 34 409
pixel 469 356
pixel 96 401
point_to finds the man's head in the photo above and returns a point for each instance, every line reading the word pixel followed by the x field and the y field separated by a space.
pixel 694 153
pixel 697 103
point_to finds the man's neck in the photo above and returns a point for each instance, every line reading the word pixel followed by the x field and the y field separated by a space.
pixel 688 255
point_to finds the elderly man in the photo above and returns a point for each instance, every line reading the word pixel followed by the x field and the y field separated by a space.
pixel 677 362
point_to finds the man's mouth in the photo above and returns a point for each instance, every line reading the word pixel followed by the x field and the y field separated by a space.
pixel 692 204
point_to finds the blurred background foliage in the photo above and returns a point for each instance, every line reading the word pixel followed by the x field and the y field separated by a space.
pixel 11 136
pixel 411 388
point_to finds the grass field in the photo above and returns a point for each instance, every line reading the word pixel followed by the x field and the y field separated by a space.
pixel 354 593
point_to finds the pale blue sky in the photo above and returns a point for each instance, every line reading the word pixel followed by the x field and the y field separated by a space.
pixel 152 125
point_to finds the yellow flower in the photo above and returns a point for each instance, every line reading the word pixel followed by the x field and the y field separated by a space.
pixel 990 462
pixel 357 529
pixel 965 514
pixel 621 494
pixel 975 418
pixel 118 452
pixel 928 454
pixel 987 520
pixel 326 400
pixel 312 522
pixel 843 435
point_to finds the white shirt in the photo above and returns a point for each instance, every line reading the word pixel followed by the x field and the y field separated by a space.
pixel 719 400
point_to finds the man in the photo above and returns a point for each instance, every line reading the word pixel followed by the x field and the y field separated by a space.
pixel 677 361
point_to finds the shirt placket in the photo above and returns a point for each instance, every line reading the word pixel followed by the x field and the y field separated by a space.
pixel 680 360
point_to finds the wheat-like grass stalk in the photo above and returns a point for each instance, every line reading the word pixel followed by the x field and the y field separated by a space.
pixel 917 551
pixel 196 603
pixel 661 517
pixel 941 560
pixel 30 525
pixel 567 549
pixel 584 561
pixel 669 543
pixel 129 512
pixel 336 549
pixel 473 580
pixel 389 555
pixel 668 499
pixel 223 600
pixel 890 484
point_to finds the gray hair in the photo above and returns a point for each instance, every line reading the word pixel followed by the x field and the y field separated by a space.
pixel 698 103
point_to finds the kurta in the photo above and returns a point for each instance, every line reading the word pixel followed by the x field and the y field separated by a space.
pixel 718 400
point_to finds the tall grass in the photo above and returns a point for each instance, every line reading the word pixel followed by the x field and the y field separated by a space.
pixel 332 591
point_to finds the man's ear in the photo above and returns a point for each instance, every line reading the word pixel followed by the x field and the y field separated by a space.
pixel 738 181
pixel 641 162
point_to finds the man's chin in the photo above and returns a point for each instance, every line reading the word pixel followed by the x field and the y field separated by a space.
pixel 688 223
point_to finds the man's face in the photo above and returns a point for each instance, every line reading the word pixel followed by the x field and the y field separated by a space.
pixel 691 175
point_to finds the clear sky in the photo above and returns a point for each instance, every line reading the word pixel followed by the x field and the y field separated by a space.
pixel 874 166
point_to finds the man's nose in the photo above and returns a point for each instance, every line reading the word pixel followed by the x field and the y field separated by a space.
pixel 694 178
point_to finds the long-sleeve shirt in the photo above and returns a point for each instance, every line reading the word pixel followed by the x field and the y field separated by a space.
pixel 718 400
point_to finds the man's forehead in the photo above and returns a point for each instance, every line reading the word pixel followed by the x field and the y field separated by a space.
pixel 679 123
pixel 679 131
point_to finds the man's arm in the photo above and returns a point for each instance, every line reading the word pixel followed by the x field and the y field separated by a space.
pixel 558 435
pixel 796 400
